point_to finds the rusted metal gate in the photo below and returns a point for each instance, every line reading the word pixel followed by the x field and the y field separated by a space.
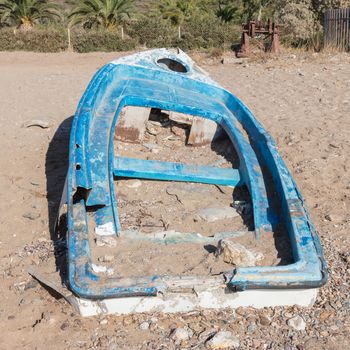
pixel 337 28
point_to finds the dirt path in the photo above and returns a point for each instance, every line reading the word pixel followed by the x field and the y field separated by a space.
pixel 304 102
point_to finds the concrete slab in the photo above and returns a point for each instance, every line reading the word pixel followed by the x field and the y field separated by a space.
pixel 131 124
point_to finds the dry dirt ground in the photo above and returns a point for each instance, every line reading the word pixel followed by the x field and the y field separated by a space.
pixel 303 100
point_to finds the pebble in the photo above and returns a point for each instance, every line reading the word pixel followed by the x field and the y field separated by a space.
pixel 31 284
pixel 264 320
pixel 326 315
pixel 106 258
pixel 150 146
pixel 181 334
pixel 102 269
pixel 216 213
pixel 334 218
pixel 36 122
pixel 153 130
pixel 237 254
pixel 181 132
pixel 64 326
pixel 252 327
pixel 31 216
pixel 297 323
pixel 144 326
pixel 223 340
pixel 109 241
pixel 242 207
pixel 133 184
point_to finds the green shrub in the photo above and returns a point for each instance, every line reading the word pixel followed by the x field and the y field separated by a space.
pixel 39 40
pixel 153 32
pixel 199 32
pixel 207 32
pixel 103 40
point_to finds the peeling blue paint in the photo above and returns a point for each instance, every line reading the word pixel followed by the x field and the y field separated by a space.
pixel 138 80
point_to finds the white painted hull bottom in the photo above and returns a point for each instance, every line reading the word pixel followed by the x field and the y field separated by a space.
pixel 184 302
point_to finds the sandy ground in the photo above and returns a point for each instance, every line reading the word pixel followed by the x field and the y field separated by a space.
pixel 302 100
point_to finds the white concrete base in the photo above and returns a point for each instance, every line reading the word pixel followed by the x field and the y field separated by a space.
pixel 210 299
pixel 217 297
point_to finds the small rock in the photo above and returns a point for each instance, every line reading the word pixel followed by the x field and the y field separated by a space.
pixel 237 254
pixel 264 320
pixel 326 315
pixel 109 241
pixel 181 132
pixel 220 161
pixel 334 218
pixel 153 130
pixel 36 122
pixel 181 334
pixel 216 213
pixel 144 326
pixel 98 268
pixel 252 327
pixel 150 146
pixel 223 340
pixel 297 323
pixel 31 284
pixel 242 207
pixel 31 216
pixel 103 322
pixel 106 258
pixel 133 184
pixel 64 326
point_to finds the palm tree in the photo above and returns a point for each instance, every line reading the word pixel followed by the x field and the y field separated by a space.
pixel 26 13
pixel 108 14
pixel 177 11
pixel 226 10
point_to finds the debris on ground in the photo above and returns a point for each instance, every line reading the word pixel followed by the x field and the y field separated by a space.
pixel 223 340
pixel 37 122
pixel 215 213
pixel 236 254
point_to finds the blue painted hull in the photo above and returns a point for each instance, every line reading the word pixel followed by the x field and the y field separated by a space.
pixel 140 80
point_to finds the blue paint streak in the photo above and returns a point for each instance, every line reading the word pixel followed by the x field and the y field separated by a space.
pixel 156 170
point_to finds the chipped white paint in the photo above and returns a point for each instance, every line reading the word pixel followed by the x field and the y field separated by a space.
pixel 209 299
pixel 102 269
pixel 149 59
pixel 105 229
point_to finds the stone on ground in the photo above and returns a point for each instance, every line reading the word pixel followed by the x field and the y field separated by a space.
pixel 223 340
pixel 216 213
pixel 237 254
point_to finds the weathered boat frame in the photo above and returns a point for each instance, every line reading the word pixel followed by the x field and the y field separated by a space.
pixel 146 80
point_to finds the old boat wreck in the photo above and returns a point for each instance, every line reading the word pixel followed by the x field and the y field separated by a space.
pixel 168 80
